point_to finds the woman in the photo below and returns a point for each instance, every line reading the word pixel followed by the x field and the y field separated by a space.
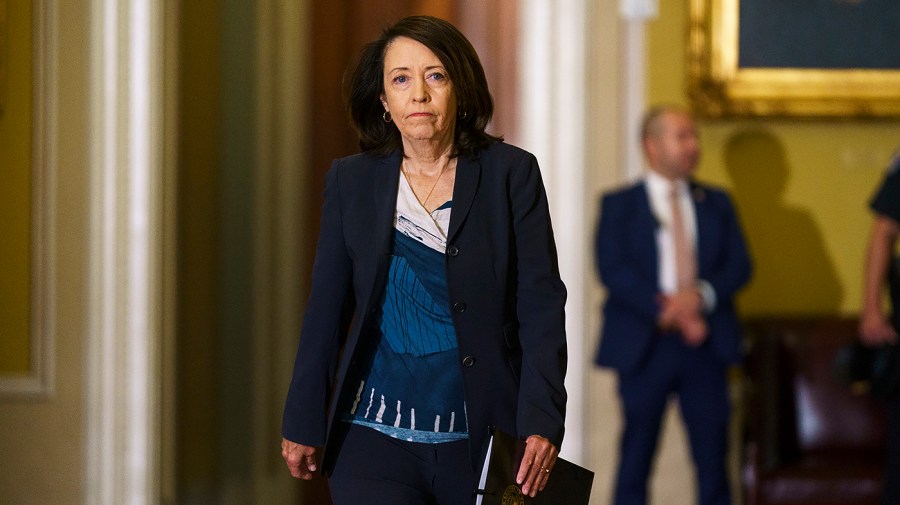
pixel 436 307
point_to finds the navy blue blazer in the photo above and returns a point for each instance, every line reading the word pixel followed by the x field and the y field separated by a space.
pixel 507 299
pixel 627 261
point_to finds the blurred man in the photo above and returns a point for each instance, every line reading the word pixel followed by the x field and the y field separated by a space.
pixel 672 256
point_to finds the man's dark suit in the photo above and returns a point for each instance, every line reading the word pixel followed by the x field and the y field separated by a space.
pixel 650 362
pixel 506 296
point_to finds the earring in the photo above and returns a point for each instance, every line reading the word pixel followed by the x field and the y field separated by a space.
pixel 463 114
pixel 386 116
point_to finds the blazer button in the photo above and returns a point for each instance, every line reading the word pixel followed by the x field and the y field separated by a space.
pixel 453 251
pixel 459 307
pixel 468 361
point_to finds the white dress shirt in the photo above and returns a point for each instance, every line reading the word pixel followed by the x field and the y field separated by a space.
pixel 658 190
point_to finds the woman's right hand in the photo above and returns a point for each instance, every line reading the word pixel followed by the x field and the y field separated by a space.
pixel 300 459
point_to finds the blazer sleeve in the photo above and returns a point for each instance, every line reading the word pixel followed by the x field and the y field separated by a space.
pixel 540 308
pixel 733 270
pixel 325 325
pixel 617 267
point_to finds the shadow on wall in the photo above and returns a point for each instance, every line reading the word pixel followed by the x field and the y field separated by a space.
pixel 793 271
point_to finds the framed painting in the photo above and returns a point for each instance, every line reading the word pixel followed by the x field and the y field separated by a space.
pixel 802 58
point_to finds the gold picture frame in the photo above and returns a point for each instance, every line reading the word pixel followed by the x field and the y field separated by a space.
pixel 718 87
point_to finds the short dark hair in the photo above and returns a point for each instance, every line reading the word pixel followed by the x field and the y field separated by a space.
pixel 364 85
pixel 650 122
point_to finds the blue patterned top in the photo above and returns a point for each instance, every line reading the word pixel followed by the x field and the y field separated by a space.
pixel 412 388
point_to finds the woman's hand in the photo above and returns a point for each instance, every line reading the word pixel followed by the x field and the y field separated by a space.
pixel 300 459
pixel 537 463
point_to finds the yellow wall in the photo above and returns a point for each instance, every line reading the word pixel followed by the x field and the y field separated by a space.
pixel 801 187
pixel 15 191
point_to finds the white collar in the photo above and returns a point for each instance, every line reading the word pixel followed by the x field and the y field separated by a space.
pixel 661 186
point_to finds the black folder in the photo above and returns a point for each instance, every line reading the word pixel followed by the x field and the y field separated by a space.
pixel 568 484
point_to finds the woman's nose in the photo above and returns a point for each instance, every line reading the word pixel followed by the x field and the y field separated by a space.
pixel 420 91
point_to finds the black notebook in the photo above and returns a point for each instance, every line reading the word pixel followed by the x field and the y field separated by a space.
pixel 569 484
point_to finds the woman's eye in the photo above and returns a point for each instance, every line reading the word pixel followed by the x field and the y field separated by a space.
pixel 400 79
pixel 437 76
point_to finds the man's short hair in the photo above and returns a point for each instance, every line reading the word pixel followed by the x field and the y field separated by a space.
pixel 650 124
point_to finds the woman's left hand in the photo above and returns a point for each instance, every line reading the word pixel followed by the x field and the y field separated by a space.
pixel 537 463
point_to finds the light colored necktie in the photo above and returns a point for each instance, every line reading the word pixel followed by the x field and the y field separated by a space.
pixel 685 261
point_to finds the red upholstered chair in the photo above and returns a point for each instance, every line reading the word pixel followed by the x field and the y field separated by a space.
pixel 809 439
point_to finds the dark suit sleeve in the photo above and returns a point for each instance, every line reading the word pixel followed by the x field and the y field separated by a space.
pixel 540 308
pixel 325 324
pixel 616 261
pixel 732 271
pixel 886 201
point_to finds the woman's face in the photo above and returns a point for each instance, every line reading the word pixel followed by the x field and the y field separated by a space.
pixel 418 92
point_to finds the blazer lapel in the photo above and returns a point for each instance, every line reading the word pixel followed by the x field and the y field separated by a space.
pixel 468 175
pixel 384 190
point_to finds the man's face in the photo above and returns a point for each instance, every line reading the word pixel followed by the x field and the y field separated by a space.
pixel 673 149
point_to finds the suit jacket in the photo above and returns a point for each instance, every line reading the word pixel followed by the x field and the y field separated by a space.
pixel 627 261
pixel 507 299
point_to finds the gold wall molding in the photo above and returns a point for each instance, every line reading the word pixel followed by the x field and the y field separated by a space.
pixel 38 382
pixel 3 49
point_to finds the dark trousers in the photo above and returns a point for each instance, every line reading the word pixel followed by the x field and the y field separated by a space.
pixel 374 468
pixel 697 377
pixel 892 470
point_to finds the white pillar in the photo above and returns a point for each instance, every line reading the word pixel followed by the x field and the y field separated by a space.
pixel 635 14
pixel 554 125
pixel 125 303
